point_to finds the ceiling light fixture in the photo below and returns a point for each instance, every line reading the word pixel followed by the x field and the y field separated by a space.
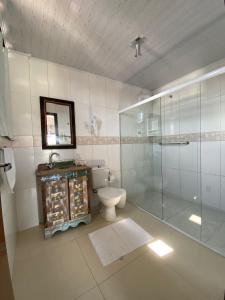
pixel 136 43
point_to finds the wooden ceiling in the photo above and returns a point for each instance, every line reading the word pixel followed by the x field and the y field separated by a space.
pixel 94 35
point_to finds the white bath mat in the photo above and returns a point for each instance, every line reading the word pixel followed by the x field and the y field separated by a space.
pixel 118 239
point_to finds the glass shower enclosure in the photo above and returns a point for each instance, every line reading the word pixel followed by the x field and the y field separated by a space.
pixel 173 159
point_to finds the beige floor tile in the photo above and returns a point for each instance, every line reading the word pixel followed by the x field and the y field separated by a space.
pixel 100 272
pixel 198 265
pixel 148 278
pixel 53 274
pixel 93 294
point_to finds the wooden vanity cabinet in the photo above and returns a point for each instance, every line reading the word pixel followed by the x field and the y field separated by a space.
pixel 65 196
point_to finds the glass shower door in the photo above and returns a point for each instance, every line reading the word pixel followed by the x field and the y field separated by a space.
pixel 141 162
pixel 181 160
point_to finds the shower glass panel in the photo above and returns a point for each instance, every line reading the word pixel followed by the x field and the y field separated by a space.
pixel 181 160
pixel 173 159
pixel 213 162
pixel 141 163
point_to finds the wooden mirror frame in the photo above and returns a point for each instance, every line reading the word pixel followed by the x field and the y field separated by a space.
pixel 70 104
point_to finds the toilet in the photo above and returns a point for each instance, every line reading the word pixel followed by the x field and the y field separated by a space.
pixel 110 197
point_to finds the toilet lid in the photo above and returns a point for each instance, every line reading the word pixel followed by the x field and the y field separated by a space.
pixel 109 192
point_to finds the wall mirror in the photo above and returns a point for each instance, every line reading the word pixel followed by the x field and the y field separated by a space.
pixel 57 123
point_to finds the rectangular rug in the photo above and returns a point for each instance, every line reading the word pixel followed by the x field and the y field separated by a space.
pixel 118 239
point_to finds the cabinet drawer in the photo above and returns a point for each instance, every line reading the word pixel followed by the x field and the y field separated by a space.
pixel 78 192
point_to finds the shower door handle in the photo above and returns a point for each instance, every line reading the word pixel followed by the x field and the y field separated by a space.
pixel 175 143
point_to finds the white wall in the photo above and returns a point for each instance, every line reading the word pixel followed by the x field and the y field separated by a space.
pixel 31 78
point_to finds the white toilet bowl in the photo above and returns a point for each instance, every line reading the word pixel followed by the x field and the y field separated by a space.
pixel 110 197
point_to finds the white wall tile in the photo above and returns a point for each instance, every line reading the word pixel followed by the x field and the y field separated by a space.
pixel 79 86
pixel 27 208
pixel 21 113
pixel 210 157
pixel 113 89
pixel 114 157
pixel 58 80
pixel 112 122
pixel 85 152
pixel 65 153
pixel 25 169
pixel 36 115
pixel 82 119
pixel 211 190
pixel 102 120
pixel 8 206
pixel 40 156
pixel 38 77
pixel 100 152
pixel 19 73
pixel 97 90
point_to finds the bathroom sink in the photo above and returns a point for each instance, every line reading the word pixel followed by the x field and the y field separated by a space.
pixel 62 164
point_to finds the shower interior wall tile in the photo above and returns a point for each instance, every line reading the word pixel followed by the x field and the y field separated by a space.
pixel 172 156
pixel 211 190
pixel 222 111
pixel 222 158
pixel 222 182
pixel 38 78
pixel 190 184
pixel 210 114
pixel 58 81
pixel 170 111
pixel 172 182
pixel 189 103
pixel 210 88
pixel 27 208
pixel 189 157
pixel 79 81
pixel 210 158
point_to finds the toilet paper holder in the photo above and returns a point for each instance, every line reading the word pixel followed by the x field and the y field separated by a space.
pixel 6 166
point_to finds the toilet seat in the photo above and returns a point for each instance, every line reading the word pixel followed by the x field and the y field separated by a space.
pixel 109 193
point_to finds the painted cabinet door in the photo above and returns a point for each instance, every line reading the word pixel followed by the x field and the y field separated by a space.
pixel 57 208
pixel 78 197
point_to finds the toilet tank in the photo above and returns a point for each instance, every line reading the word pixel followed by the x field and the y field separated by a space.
pixel 100 177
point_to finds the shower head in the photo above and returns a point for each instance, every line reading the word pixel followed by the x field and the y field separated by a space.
pixel 136 43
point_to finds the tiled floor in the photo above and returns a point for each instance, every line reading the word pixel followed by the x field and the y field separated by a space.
pixel 67 267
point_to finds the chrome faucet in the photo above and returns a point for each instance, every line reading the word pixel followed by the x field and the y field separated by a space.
pixel 51 162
